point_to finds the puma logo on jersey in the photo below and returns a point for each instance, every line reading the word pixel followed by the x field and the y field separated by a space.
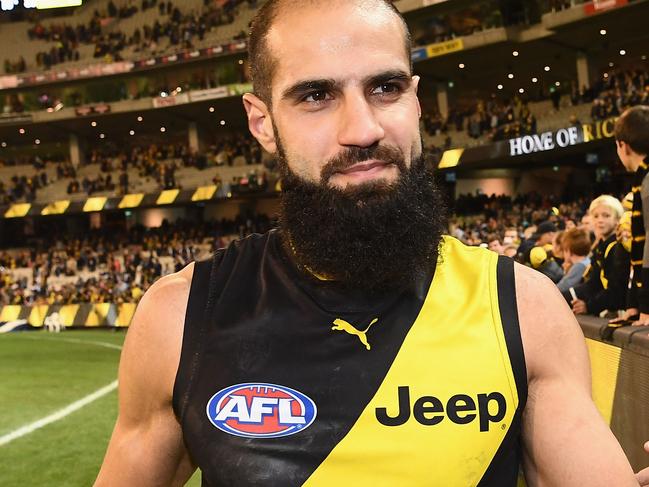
pixel 342 325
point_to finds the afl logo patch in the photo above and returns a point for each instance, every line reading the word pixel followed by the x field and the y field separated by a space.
pixel 258 410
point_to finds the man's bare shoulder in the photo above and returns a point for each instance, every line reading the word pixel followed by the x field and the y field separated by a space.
pixel 154 339
pixel 548 327
pixel 165 300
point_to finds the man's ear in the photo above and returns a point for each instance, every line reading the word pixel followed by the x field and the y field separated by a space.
pixel 415 84
pixel 624 147
pixel 259 122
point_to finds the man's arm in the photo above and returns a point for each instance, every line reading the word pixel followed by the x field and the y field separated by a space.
pixel 146 447
pixel 566 442
pixel 643 292
pixel 643 475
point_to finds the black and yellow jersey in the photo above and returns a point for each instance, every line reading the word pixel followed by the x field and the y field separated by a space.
pixel 285 380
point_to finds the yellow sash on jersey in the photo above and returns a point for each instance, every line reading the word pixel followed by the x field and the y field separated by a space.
pixel 456 346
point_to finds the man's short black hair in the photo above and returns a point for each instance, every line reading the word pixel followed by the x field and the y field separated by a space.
pixel 633 128
pixel 262 62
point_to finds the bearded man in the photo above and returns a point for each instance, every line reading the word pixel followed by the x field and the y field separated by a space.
pixel 354 345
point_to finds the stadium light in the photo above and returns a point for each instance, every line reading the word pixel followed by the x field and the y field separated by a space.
pixel 546 69
pixel 163 130
pixel 4 144
pixel 93 123
pixel 535 79
pixel 515 53
pixel 139 118
pixel 602 32
pixel 44 4
pixel 500 87
pixel 557 83
pixel 510 75
pixel 461 65
pixel 102 136
pixel 611 64
pixel 222 122
pixel 240 61
pixel 622 52
pixel 521 90
pixel 21 131
pixel 37 141
pixel 605 75
pixel 643 57
pixel 211 109
pixel 131 132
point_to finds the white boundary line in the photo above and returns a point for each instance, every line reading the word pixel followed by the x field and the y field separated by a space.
pixel 70 408
pixel 73 340
pixel 60 414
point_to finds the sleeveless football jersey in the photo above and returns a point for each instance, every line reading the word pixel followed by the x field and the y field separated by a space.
pixel 285 380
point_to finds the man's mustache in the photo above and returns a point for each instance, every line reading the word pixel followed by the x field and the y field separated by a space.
pixel 354 155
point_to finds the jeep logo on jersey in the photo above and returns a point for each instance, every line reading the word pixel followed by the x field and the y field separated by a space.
pixel 258 410
pixel 460 409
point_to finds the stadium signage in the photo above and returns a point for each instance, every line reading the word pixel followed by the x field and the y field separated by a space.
pixel 438 49
pixel 209 94
pixel 15 118
pixel 603 129
pixel 597 6
pixel 546 141
pixel 92 110
pixel 169 101
pixel 103 69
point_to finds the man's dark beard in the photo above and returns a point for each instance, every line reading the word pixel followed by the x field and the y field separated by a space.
pixel 374 236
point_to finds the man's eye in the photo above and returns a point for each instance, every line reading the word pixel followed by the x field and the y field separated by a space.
pixel 316 97
pixel 386 88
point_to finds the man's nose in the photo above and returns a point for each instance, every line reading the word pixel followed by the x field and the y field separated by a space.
pixel 359 125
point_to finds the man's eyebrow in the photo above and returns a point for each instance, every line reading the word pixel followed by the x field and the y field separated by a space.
pixel 390 75
pixel 301 88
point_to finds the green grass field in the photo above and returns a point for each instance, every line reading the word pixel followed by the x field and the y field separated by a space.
pixel 41 374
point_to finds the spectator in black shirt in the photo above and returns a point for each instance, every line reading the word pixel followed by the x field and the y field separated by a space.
pixel 606 282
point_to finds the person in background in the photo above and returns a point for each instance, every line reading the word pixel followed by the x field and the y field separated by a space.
pixel 543 261
pixel 606 282
pixel 632 140
pixel 510 251
pixel 557 248
pixel 493 244
pixel 623 233
pixel 586 223
pixel 511 237
pixel 576 247
pixel 544 235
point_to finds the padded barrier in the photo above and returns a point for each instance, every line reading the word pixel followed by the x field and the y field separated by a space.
pixel 72 315
pixel 620 368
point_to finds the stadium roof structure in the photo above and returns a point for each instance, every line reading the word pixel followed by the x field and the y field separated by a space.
pixel 618 36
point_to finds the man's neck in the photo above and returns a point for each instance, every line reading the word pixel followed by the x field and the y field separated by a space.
pixel 639 161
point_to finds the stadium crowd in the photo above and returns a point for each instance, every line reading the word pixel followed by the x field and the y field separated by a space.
pixel 616 91
pixel 159 161
pixel 173 28
pixel 497 119
pixel 112 266
pixel 582 245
